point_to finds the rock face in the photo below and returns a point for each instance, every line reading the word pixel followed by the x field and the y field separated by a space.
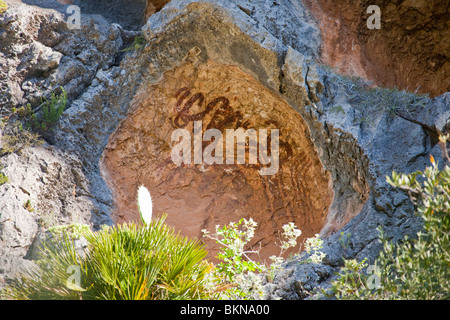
pixel 129 14
pixel 409 51
pixel 199 195
pixel 226 65
pixel 39 53
pixel 57 192
pixel 154 6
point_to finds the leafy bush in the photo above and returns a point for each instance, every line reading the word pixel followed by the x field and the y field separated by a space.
pixel 239 276
pixel 51 111
pixel 122 262
pixel 235 272
pixel 352 280
pixel 415 268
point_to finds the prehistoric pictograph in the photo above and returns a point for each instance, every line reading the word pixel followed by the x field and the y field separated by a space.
pixel 197 194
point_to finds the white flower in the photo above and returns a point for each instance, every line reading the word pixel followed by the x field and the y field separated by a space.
pixel 315 244
pixel 145 205
pixel 290 234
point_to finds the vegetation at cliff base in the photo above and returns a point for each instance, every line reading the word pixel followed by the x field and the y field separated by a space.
pixel 412 269
pixel 125 262
pixel 151 262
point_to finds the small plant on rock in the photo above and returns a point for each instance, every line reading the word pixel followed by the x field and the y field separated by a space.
pixel 3 178
pixel 15 138
pixel 27 205
pixel 241 277
pixel 24 128
pixel 138 43
pixel 52 110
pixel 415 269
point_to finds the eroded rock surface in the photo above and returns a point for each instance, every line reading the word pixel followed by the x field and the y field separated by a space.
pixel 409 51
pixel 39 53
pixel 201 196
pixel 344 136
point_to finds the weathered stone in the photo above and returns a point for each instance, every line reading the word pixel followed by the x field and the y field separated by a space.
pixel 201 195
pixel 260 56
pixel 38 47
pixel 58 193
pixel 409 51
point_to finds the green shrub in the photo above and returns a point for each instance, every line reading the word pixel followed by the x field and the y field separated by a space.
pixel 352 280
pixel 3 177
pixel 52 110
pixel 23 128
pixel 239 276
pixel 46 115
pixel 138 43
pixel 124 262
pixel 415 268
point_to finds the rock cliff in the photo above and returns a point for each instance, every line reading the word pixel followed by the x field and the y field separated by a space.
pixel 132 81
